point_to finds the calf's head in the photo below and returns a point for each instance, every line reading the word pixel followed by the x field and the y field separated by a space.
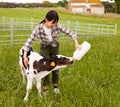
pixel 63 60
pixel 45 64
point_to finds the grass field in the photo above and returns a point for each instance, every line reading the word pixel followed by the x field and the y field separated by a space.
pixel 94 81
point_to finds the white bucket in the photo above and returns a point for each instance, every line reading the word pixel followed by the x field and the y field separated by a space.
pixel 79 53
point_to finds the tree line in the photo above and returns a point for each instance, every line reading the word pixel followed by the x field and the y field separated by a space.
pixel 63 3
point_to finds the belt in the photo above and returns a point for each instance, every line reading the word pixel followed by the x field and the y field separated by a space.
pixel 54 45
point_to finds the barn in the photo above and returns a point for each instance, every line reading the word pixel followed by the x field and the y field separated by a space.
pixel 86 6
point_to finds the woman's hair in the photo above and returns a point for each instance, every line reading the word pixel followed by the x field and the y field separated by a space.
pixel 51 15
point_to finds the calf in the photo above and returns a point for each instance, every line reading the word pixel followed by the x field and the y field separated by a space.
pixel 39 67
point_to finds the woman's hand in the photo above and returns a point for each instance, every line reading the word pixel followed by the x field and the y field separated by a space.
pixel 77 45
pixel 25 59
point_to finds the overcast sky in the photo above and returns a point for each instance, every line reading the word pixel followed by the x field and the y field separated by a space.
pixel 29 1
pixel 33 1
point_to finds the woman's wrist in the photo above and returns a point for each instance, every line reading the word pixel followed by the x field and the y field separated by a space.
pixel 25 54
pixel 76 43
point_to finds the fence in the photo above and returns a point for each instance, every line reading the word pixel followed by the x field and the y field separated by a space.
pixel 16 31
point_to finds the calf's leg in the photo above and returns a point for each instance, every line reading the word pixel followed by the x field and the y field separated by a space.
pixel 23 73
pixel 28 88
pixel 39 87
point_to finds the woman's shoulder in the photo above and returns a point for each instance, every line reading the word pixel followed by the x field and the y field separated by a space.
pixel 59 25
pixel 39 26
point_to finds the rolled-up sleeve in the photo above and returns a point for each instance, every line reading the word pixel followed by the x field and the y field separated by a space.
pixel 30 40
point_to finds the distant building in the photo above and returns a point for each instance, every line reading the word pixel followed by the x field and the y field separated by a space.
pixel 86 6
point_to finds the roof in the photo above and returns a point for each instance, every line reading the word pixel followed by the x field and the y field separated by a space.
pixel 78 6
pixel 97 5
pixel 79 1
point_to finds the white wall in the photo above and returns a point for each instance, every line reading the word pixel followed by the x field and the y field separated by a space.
pixel 97 10
pixel 82 8
pixel 78 10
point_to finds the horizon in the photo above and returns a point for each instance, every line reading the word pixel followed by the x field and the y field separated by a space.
pixel 40 1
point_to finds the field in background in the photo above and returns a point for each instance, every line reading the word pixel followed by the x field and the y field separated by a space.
pixel 94 81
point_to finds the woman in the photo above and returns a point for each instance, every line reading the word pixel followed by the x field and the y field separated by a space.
pixel 47 31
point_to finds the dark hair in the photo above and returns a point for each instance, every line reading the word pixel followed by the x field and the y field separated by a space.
pixel 51 15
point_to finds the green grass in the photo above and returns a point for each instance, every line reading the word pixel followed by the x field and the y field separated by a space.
pixel 40 14
pixel 94 81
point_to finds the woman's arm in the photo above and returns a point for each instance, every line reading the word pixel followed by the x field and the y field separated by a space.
pixel 71 34
pixel 34 35
pixel 77 45
pixel 25 59
pixel 27 46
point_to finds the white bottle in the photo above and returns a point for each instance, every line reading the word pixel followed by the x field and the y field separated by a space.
pixel 79 53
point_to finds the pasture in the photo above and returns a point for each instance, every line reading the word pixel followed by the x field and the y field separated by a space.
pixel 94 81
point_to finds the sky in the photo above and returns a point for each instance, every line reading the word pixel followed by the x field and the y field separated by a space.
pixel 29 1
pixel 32 1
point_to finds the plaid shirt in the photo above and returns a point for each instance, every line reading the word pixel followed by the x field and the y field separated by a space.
pixel 39 33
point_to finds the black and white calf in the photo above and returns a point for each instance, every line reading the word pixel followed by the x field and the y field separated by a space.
pixel 39 67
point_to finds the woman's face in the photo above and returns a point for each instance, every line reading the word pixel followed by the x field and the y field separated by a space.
pixel 50 24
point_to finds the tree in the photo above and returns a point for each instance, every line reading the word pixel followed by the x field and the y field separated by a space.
pixel 47 4
pixel 117 6
pixel 109 7
pixel 63 3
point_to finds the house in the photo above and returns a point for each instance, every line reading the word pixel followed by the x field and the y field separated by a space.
pixel 86 6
